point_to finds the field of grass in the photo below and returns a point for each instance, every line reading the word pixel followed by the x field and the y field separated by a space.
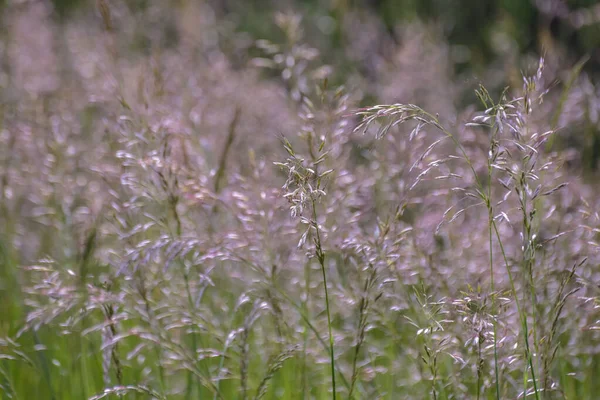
pixel 188 211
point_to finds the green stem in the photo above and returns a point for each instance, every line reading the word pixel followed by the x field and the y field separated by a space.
pixel 513 288
pixel 321 257
pixel 302 314
pixel 520 311
pixel 492 287
pixel 305 334
pixel 190 378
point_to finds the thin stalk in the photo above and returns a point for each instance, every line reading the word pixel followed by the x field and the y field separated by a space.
pixel 433 120
pixel 363 309
pixel 519 310
pixel 11 392
pixel 306 306
pixel 222 362
pixel 45 367
pixel 479 369
pixel 356 352
pixel 173 200
pixel 497 232
pixel 220 175
pixel 190 380
pixel 321 258
pixel 528 258
pixel 492 287
pixel 142 291
pixel 302 314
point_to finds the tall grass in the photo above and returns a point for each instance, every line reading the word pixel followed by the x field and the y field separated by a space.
pixel 192 214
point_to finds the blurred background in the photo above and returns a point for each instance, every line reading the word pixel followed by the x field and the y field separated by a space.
pixel 384 50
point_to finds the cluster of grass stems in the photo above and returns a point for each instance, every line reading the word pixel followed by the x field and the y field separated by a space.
pixel 176 227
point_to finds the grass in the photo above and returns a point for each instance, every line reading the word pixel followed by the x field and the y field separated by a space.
pixel 178 225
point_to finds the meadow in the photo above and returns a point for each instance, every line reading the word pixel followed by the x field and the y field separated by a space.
pixel 199 203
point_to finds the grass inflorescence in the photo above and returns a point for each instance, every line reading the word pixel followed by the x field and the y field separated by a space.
pixel 191 213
